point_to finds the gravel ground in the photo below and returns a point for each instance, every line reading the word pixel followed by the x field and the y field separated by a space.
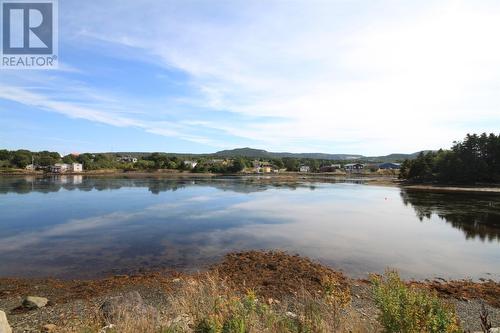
pixel 468 311
pixel 78 313
pixel 273 274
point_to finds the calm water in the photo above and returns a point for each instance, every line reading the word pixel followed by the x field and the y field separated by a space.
pixel 86 227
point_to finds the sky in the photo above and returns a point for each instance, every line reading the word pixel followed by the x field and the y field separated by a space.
pixel 358 77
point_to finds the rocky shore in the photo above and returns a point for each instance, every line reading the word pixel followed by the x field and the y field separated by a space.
pixel 276 278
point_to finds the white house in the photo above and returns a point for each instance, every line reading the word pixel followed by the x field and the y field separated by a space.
pixel 76 167
pixel 63 167
pixel 304 168
pixel 191 164
pixel 127 159
pixel 59 168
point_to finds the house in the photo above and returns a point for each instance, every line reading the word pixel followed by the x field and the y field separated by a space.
pixel 354 167
pixel 127 159
pixel 30 167
pixel 76 167
pixel 266 169
pixel 304 168
pixel 63 167
pixel 218 161
pixel 59 168
pixel 191 164
pixel 390 166
pixel 330 168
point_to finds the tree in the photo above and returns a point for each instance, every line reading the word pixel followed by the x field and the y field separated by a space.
pixel 291 164
pixel 5 155
pixel 21 158
pixel 145 165
pixel 69 159
pixel 278 162
pixel 475 159
pixel 46 158
pixel 238 165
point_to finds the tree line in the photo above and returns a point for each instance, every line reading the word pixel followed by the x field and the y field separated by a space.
pixel 19 159
pixel 476 159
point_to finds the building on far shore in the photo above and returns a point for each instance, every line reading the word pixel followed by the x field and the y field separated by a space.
pixel 354 167
pixel 191 164
pixel 76 167
pixel 64 167
pixel 390 166
pixel 266 169
pixel 304 168
pixel 127 159
pixel 59 168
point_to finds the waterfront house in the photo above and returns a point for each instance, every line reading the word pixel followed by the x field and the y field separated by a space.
pixel 390 166
pixel 304 168
pixel 76 167
pixel 354 167
pixel 59 168
pixel 64 167
pixel 266 169
pixel 191 164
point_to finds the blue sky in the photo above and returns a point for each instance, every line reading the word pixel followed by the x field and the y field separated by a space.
pixel 367 77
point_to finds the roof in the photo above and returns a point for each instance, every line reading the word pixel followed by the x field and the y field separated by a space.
pixel 390 164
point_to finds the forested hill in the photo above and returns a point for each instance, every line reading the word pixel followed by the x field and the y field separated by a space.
pixel 258 153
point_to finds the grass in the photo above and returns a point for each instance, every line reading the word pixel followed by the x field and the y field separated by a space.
pixel 209 304
pixel 410 310
pixel 212 306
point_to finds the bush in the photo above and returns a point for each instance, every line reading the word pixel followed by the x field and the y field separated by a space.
pixel 410 310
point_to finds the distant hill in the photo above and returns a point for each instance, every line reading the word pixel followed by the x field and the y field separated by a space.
pixel 259 153
pixel 391 157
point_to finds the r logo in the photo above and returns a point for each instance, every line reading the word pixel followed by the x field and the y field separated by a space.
pixel 28 28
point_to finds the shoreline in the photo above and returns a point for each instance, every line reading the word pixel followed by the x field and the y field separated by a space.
pixel 366 178
pixel 271 275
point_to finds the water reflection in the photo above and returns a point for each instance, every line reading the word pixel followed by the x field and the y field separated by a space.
pixel 477 215
pixel 156 185
pixel 89 226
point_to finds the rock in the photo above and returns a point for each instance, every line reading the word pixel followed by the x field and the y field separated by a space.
pixel 49 328
pixel 492 330
pixel 107 328
pixel 4 324
pixel 130 305
pixel 33 302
